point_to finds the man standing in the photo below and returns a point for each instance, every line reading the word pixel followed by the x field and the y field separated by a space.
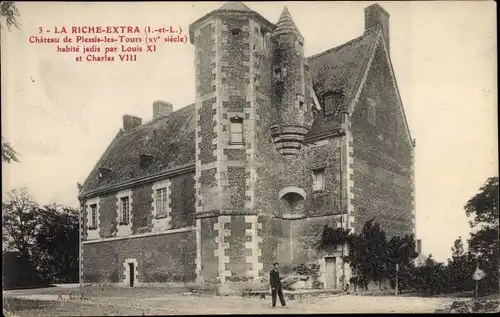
pixel 276 286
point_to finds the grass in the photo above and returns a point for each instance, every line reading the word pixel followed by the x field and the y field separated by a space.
pixel 36 308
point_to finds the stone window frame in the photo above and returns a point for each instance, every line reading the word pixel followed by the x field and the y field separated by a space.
pixel 322 172
pixel 93 217
pixel 300 103
pixel 92 202
pixel 164 184
pixel 279 73
pixel 232 122
pixel 336 97
pixel 120 196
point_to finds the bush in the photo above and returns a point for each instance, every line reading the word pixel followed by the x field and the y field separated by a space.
pixel 311 270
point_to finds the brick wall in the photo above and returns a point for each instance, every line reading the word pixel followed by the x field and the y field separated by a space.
pixel 209 261
pixel 142 208
pixel 182 195
pixel 382 168
pixel 160 258
pixel 182 208
pixel 291 242
pixel 277 173
pixel 108 214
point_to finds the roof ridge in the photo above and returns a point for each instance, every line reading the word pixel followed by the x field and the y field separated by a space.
pixel 158 118
pixel 337 47
pixel 366 64
pixel 367 32
pixel 99 161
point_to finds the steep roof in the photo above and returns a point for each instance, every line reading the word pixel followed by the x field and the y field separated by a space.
pixel 285 25
pixel 234 6
pixel 340 69
pixel 170 139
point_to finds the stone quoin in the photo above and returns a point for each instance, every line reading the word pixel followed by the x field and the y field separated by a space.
pixel 276 146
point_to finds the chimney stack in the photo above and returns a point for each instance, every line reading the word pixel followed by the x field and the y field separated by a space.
pixel 162 108
pixel 375 15
pixel 419 246
pixel 130 122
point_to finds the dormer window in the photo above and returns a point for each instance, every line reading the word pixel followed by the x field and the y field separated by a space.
pixel 332 102
pixel 103 172
pixel 145 159
pixel 236 130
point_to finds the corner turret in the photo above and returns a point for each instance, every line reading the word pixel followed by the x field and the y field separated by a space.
pixel 291 87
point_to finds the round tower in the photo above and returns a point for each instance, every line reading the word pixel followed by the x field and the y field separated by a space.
pixel 290 93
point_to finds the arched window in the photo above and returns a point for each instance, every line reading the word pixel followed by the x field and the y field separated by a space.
pixel 292 201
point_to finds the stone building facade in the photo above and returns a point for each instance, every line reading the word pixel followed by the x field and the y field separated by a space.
pixel 276 146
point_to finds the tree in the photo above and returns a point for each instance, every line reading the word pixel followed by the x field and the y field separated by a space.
pixel 56 244
pixel 483 207
pixel 461 266
pixel 20 222
pixel 368 253
pixel 9 154
pixel 432 278
pixel 401 251
pixel 482 210
pixel 9 12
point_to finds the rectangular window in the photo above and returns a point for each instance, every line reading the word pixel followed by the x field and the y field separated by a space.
pixel 161 202
pixel 125 210
pixel 329 105
pixel 93 216
pixel 318 179
pixel 237 131
pixel 277 73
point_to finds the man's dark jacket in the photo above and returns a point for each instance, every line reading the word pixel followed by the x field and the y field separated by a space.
pixel 275 278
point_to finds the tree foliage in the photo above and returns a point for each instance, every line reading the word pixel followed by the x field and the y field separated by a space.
pixel 46 237
pixel 56 243
pixel 20 221
pixel 371 256
pixel 483 207
pixel 431 278
pixel 482 210
pixel 9 12
pixel 9 154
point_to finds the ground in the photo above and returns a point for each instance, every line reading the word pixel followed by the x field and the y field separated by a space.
pixel 100 301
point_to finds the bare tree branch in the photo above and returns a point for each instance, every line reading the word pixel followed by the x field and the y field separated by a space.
pixel 10 13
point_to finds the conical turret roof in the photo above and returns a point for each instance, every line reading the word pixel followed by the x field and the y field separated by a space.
pixel 286 25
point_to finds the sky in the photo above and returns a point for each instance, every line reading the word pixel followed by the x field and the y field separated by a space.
pixel 61 114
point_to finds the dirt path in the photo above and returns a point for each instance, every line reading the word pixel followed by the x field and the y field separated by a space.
pixel 178 304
